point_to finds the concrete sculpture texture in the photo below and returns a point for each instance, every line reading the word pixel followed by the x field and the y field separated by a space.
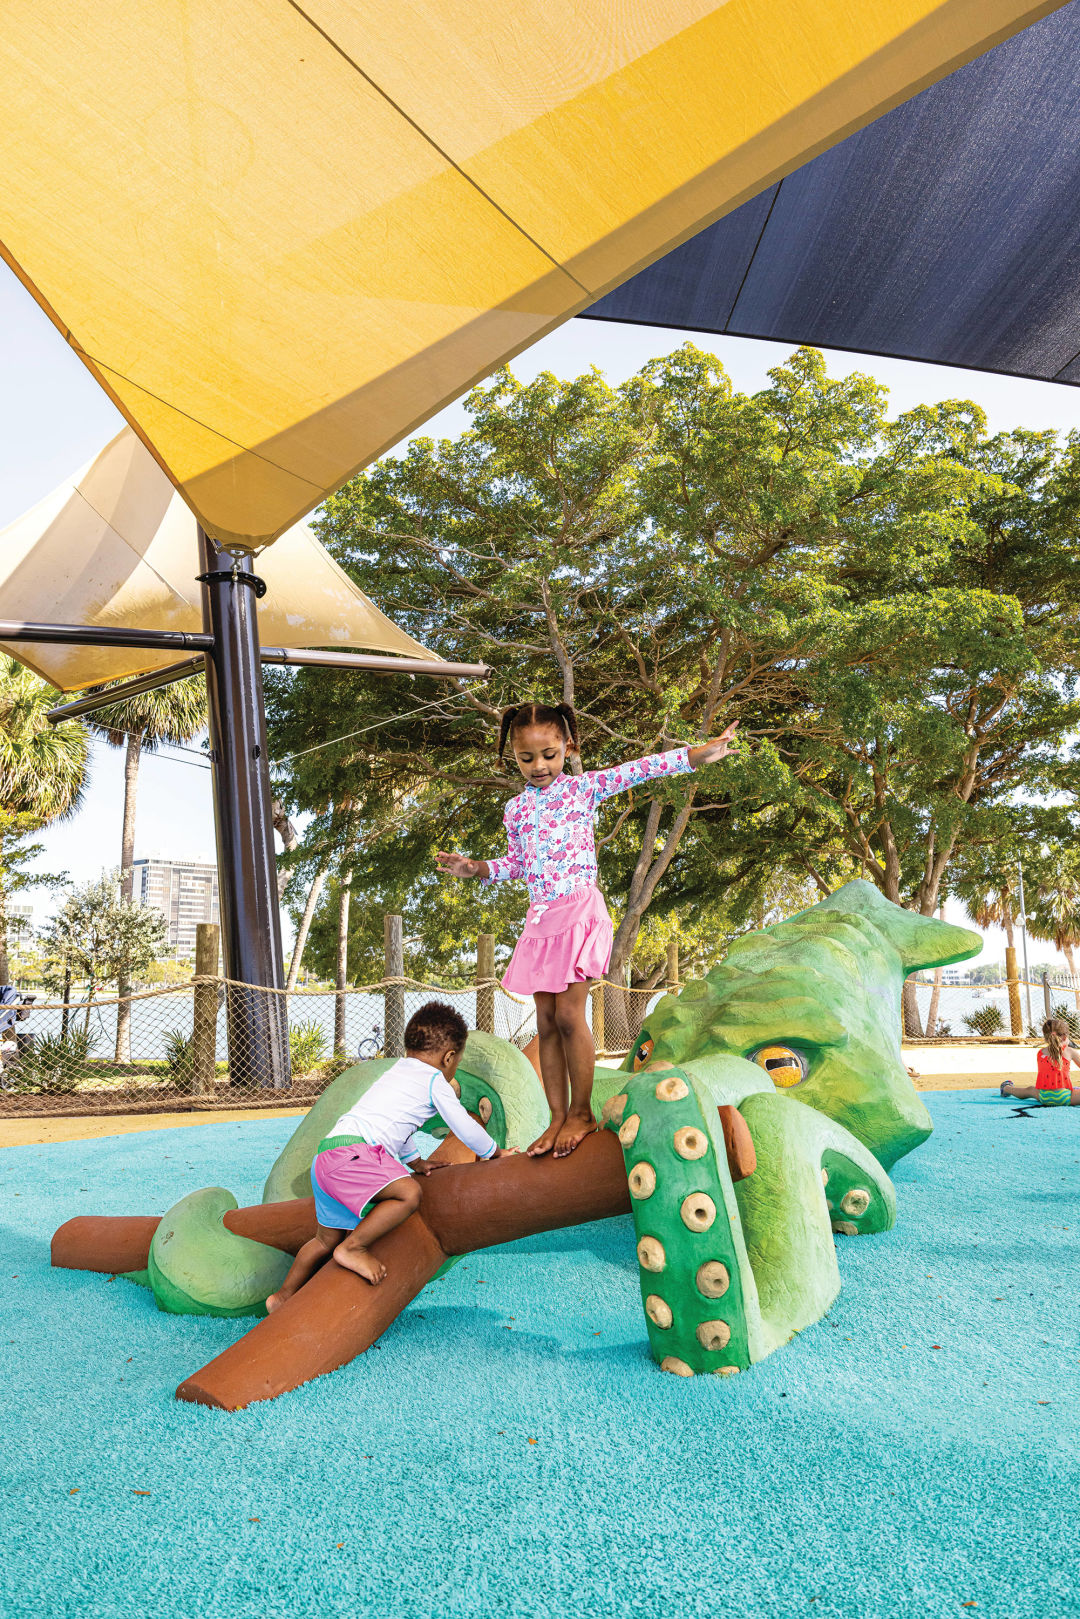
pixel 758 1114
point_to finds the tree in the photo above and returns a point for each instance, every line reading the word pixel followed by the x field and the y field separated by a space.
pixel 42 773
pixel 100 937
pixel 1056 913
pixel 887 607
pixel 140 725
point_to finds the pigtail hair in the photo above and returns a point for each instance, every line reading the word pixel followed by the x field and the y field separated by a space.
pixel 569 718
pixel 509 715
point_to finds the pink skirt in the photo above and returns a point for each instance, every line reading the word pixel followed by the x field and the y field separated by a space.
pixel 568 943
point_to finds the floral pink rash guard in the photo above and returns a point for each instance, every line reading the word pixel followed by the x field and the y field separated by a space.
pixel 549 831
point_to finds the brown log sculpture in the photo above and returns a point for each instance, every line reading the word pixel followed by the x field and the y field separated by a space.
pixel 338 1315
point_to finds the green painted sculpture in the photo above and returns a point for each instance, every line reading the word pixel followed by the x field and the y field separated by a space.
pixel 792 1043
pixel 199 1267
pixel 798 1029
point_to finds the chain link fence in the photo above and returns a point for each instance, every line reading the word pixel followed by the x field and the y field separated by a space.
pixel 214 1043
pixel 1005 1010
pixel 209 1043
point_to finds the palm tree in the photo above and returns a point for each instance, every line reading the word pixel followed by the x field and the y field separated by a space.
pixel 42 767
pixel 1056 917
pixel 995 902
pixel 141 724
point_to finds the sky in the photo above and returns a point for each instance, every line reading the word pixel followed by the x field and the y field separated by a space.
pixel 54 418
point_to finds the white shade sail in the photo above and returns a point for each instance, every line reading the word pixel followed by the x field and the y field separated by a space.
pixel 115 545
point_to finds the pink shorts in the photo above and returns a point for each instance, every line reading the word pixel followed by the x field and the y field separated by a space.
pixel 569 943
pixel 345 1180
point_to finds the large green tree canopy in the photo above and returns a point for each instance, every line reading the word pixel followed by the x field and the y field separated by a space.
pixel 888 607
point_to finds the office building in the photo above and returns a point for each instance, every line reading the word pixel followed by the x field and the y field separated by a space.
pixel 184 891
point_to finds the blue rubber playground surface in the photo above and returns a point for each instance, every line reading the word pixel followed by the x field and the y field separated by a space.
pixel 509 1448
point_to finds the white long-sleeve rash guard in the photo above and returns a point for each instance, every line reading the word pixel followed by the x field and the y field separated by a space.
pixel 402 1101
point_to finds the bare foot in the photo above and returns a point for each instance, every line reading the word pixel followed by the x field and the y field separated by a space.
pixel 273 1302
pixel 575 1128
pixel 545 1142
pixel 362 1262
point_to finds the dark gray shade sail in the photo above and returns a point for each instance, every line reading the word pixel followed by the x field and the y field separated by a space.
pixel 948 231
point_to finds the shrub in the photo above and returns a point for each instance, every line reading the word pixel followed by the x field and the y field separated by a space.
pixel 180 1059
pixel 985 1020
pixel 307 1043
pixel 1070 1017
pixel 54 1064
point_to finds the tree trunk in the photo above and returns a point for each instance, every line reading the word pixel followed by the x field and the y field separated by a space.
pixel 935 996
pixel 1012 978
pixel 302 931
pixel 289 836
pixel 344 900
pixel 1068 949
pixel 912 1021
pixel 127 883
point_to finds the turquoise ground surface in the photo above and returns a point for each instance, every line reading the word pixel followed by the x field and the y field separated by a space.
pixel 509 1449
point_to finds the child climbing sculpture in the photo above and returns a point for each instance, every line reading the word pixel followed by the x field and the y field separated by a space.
pixel 566 942
pixel 363 1172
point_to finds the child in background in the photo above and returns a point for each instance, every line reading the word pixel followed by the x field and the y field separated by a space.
pixel 568 934
pixel 361 1172
pixel 1053 1087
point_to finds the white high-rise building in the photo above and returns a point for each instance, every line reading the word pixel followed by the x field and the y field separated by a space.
pixel 184 891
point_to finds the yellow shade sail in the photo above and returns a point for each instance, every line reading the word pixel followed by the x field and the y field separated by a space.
pixel 283 235
pixel 116 546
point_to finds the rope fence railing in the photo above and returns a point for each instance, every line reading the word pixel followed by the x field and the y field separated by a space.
pixel 168 1048
pixel 164 1049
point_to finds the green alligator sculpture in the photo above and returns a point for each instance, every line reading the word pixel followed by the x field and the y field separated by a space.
pixel 798 1030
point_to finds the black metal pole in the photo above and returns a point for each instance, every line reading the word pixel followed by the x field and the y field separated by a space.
pixel 247 875
pixel 130 688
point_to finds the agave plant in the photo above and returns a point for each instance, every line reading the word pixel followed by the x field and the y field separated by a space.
pixel 54 1065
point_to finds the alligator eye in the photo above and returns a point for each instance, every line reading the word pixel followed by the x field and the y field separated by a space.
pixel 642 1054
pixel 784 1066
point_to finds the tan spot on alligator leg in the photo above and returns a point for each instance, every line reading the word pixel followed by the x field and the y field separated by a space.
pixel 713 1279
pixel 651 1255
pixel 856 1202
pixel 483 1107
pixel 824 1177
pixel 698 1211
pixel 845 1228
pixel 672 1089
pixel 678 1368
pixel 642 1180
pixel 690 1142
pixel 628 1130
pixel 714 1335
pixel 613 1109
pixel 725 1371
pixel 658 1310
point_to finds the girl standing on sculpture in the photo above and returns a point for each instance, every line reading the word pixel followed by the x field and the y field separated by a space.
pixel 566 942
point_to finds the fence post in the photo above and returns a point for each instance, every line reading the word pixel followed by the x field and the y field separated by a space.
pixel 1048 1009
pixel 204 1023
pixel 485 974
pixel 394 967
pixel 671 978
pixel 1012 979
pixel 598 1017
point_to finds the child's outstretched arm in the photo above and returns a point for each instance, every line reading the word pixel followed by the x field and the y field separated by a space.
pixel 508 868
pixel 709 753
pixel 459 865
pixel 676 762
